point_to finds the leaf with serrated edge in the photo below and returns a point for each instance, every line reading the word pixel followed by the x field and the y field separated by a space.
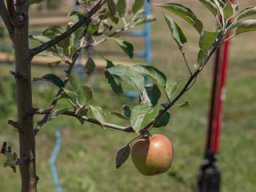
pixel 150 95
pixel 128 75
pixel 141 116
pixel 125 46
pixel 149 71
pixel 98 113
pixel 113 80
pixel 185 13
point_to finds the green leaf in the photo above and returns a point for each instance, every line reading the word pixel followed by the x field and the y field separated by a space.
pixel 121 7
pixel 120 115
pixel 170 88
pixel 112 7
pixel 125 46
pixel 228 10
pixel 184 104
pixel 176 31
pixel 127 111
pixel 206 40
pixel 164 120
pixel 90 66
pixel 141 116
pixel 142 20
pixel 128 75
pixel 98 113
pixel 86 92
pixel 250 11
pixel 75 16
pixel 210 6
pixel 51 78
pixel 122 155
pixel 246 26
pixel 149 71
pixel 54 64
pixel 11 160
pixel 52 31
pixel 137 5
pixel 67 94
pixel 200 57
pixel 40 38
pixel 113 80
pixel 150 95
pixel 185 13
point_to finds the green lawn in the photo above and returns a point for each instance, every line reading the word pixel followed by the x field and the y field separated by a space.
pixel 87 158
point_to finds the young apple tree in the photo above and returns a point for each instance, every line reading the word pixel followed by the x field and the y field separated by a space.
pixel 101 21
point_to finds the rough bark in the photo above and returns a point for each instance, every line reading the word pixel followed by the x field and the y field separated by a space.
pixel 24 99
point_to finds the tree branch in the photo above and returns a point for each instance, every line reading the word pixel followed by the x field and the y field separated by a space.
pixel 94 121
pixel 6 19
pixel 85 19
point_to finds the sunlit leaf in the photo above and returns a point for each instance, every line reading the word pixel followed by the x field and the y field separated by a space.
pixel 98 113
pixel 128 75
pixel 150 95
pixel 125 46
pixel 185 13
pixel 250 11
pixel 150 71
pixel 228 10
pixel 141 116
pixel 246 26
pixel 170 88
pixel 176 31
pixel 206 40
pixel 210 6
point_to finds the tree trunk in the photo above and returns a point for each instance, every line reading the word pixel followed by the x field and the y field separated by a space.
pixel 24 99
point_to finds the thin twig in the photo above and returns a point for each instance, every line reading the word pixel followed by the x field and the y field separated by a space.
pixel 6 19
pixel 57 39
pixel 185 60
pixel 94 121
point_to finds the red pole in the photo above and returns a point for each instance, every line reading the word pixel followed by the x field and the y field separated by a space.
pixel 221 97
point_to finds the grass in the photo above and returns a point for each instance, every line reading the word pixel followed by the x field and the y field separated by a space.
pixel 87 158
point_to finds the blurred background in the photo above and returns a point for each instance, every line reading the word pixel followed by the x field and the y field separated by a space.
pixel 87 158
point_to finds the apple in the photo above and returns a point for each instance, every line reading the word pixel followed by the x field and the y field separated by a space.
pixel 152 155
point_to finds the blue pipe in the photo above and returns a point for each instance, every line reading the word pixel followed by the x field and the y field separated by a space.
pixel 53 158
pixel 148 48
